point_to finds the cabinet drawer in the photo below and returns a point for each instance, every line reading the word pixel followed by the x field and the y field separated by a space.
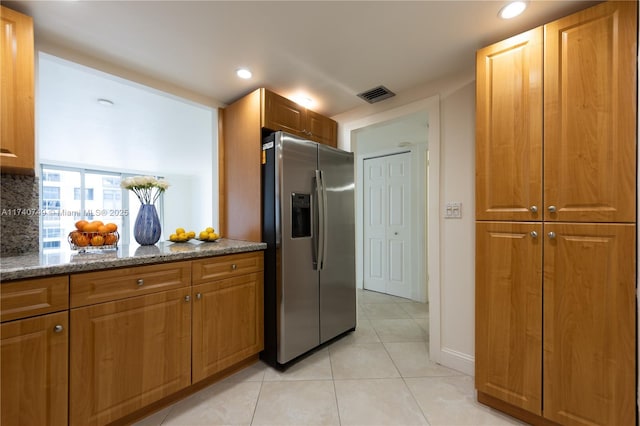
pixel 105 286
pixel 26 298
pixel 215 268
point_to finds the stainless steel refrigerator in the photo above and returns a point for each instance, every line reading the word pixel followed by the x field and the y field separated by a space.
pixel 309 228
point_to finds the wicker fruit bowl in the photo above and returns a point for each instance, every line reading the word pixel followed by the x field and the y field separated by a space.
pixel 80 240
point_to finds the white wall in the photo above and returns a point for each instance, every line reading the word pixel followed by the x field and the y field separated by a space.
pixel 145 131
pixel 456 284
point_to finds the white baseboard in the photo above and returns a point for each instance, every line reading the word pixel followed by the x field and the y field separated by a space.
pixel 456 360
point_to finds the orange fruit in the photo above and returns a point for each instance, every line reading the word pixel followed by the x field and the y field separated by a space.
pixel 112 227
pixel 80 224
pixel 91 227
pixel 110 239
pixel 82 240
pixel 103 229
pixel 97 240
pixel 98 222
pixel 74 236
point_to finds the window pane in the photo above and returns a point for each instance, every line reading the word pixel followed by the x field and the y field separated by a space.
pixel 60 209
pixel 103 197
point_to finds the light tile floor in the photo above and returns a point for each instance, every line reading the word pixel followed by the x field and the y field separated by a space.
pixel 378 375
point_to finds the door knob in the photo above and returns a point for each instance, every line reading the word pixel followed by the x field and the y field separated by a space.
pixel 552 209
pixel 140 282
pixel 552 235
pixel 533 209
pixel 58 328
pixel 187 298
pixel 533 234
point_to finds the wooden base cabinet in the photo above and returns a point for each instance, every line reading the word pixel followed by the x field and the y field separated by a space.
pixel 509 312
pixel 34 366
pixel 589 324
pixel 227 323
pixel 127 354
pixel 228 320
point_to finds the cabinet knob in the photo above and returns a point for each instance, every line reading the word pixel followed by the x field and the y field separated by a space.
pixel 533 209
pixel 552 235
pixel 140 281
pixel 58 328
pixel 187 298
pixel 533 234
pixel 234 267
pixel 198 296
pixel 552 209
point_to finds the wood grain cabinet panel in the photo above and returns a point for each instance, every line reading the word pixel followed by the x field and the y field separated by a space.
pixel 590 324
pixel 128 354
pixel 102 286
pixel 590 115
pixel 34 370
pixel 227 323
pixel 216 268
pixel 509 312
pixel 509 129
pixel 25 298
pixel 17 125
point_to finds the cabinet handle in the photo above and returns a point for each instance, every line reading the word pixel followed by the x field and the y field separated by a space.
pixel 198 296
pixel 58 328
pixel 552 235
pixel 533 234
pixel 552 209
pixel 533 209
pixel 140 281
pixel 234 267
pixel 187 298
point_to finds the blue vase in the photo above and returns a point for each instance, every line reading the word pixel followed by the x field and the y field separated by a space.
pixel 147 229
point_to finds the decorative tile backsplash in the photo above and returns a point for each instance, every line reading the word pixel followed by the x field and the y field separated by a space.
pixel 19 214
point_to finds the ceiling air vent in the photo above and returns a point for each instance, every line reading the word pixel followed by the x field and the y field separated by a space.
pixel 376 94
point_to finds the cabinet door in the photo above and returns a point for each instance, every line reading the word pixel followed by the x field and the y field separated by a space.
pixel 509 129
pixel 17 126
pixel 590 115
pixel 227 323
pixel 509 312
pixel 283 114
pixel 128 354
pixel 589 324
pixel 34 369
pixel 323 129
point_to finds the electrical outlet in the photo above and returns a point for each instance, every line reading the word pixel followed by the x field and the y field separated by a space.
pixel 453 211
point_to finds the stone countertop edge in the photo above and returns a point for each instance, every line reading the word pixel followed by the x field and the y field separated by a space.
pixel 37 265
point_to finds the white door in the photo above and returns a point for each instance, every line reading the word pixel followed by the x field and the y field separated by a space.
pixel 387 224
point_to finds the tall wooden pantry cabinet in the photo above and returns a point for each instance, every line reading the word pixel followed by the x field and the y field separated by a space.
pixel 556 220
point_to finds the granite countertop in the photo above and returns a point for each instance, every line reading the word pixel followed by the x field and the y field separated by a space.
pixel 68 261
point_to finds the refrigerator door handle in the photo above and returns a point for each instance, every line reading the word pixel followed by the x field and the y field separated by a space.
pixel 315 239
pixel 324 227
pixel 319 245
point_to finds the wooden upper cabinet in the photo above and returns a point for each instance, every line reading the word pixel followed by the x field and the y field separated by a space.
pixel 509 312
pixel 17 125
pixel 280 113
pixel 589 324
pixel 509 129
pixel 322 129
pixel 590 115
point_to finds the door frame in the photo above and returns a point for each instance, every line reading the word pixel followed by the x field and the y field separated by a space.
pixel 430 246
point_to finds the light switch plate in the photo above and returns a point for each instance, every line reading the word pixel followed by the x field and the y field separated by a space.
pixel 453 210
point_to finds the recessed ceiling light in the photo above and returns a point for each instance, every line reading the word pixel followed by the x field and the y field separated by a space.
pixel 243 73
pixel 512 9
pixel 106 102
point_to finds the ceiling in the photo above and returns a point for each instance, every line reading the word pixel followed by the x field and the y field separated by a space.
pixel 329 50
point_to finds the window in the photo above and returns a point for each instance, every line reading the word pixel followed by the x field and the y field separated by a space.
pixel 88 193
pixel 69 194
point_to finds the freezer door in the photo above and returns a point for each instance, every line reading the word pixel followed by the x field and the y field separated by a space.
pixel 298 318
pixel 338 273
